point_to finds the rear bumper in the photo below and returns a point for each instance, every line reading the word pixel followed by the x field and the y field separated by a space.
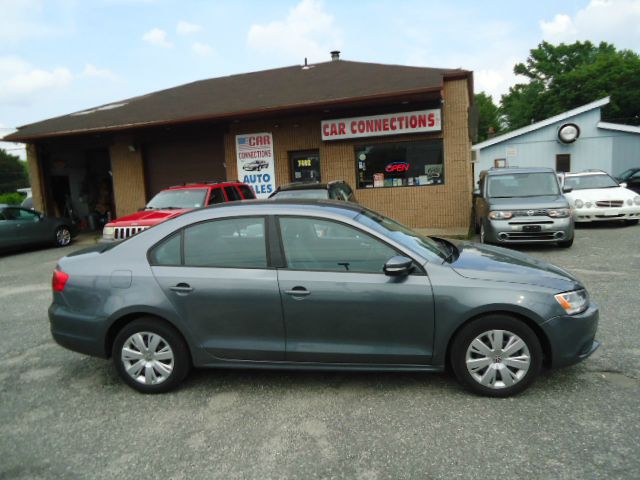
pixel 77 332
pixel 572 337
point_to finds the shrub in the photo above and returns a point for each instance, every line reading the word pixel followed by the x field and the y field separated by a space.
pixel 13 198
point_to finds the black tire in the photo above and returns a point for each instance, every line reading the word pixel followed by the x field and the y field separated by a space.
pixel 62 236
pixel 471 331
pixel 565 243
pixel 631 222
pixel 181 361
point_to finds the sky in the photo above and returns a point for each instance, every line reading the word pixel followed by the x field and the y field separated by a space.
pixel 61 56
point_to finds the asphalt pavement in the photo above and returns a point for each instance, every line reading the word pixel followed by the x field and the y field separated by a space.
pixel 64 415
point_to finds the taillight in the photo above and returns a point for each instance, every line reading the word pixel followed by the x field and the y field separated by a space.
pixel 59 280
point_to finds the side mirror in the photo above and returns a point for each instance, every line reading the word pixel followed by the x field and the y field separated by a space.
pixel 623 184
pixel 398 266
pixel 567 189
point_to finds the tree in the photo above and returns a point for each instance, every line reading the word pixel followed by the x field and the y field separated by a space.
pixel 562 77
pixel 12 173
pixel 488 116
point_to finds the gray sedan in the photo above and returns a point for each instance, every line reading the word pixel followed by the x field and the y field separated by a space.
pixel 21 227
pixel 317 285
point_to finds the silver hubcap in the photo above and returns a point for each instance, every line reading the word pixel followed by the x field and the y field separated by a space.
pixel 63 236
pixel 498 359
pixel 147 358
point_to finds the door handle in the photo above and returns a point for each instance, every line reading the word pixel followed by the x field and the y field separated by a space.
pixel 182 288
pixel 298 292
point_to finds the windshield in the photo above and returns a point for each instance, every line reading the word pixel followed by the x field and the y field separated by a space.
pixel 401 234
pixel 584 182
pixel 187 198
pixel 522 185
pixel 301 194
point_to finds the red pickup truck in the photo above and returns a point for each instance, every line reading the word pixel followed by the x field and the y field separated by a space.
pixel 174 201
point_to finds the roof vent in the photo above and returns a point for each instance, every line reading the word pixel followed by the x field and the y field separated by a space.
pixel 335 55
pixel 306 66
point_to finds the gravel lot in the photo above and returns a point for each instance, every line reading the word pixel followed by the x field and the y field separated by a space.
pixel 64 415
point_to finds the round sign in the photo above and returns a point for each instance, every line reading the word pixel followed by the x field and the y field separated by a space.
pixel 568 133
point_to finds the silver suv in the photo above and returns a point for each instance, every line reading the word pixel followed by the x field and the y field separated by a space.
pixel 522 205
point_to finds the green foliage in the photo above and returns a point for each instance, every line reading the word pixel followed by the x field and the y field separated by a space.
pixel 14 198
pixel 12 173
pixel 488 116
pixel 562 77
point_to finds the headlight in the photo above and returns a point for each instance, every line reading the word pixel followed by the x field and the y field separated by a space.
pixel 559 213
pixel 573 302
pixel 588 204
pixel 500 215
pixel 107 233
pixel 636 200
pixel 578 203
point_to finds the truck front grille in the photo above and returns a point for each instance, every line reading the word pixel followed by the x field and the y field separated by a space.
pixel 121 233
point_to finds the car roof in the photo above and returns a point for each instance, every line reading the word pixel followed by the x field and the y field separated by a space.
pixel 512 170
pixel 310 185
pixel 188 186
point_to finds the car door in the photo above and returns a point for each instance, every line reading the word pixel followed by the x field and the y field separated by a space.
pixel 217 276
pixel 8 229
pixel 32 227
pixel 340 307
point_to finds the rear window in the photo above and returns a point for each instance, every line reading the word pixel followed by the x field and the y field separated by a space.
pixel 247 193
pixel 314 194
pixel 232 193
pixel 216 196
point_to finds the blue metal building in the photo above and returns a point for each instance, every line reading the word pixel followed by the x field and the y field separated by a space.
pixel 574 141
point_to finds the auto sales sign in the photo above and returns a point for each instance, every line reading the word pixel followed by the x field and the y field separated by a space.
pixel 255 160
pixel 379 125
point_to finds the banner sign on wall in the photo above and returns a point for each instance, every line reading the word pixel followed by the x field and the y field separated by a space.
pixel 254 154
pixel 379 125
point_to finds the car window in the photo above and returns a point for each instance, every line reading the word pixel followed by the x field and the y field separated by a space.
pixel 19 214
pixel 232 243
pixel 247 193
pixel 315 244
pixel 635 176
pixel 585 182
pixel 167 252
pixel 336 192
pixel 311 194
pixel 232 193
pixel 216 196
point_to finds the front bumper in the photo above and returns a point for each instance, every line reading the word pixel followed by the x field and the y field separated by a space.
pixel 572 337
pixel 603 214
pixel 514 230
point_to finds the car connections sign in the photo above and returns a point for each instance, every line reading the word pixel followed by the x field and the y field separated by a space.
pixel 378 125
pixel 254 153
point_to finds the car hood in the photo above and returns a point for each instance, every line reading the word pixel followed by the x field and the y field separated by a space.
pixel 596 194
pixel 146 218
pixel 486 262
pixel 528 203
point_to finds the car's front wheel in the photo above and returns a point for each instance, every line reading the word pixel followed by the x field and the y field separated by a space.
pixel 63 236
pixel 565 243
pixel 496 356
pixel 151 356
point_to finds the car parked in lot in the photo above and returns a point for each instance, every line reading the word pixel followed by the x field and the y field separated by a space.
pixel 596 197
pixel 175 201
pixel 336 190
pixel 630 178
pixel 23 227
pixel 255 165
pixel 522 205
pixel 317 285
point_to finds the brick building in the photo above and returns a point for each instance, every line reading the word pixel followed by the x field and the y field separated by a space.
pixel 400 136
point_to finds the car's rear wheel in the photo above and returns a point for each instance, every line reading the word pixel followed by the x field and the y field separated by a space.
pixel 63 236
pixel 496 356
pixel 151 356
pixel 565 243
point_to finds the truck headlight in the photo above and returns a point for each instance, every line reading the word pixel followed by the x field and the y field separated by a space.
pixel 559 213
pixel 500 215
pixel 573 302
pixel 578 203
pixel 107 233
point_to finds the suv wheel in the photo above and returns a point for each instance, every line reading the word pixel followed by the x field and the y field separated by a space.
pixel 151 356
pixel 496 356
pixel 483 238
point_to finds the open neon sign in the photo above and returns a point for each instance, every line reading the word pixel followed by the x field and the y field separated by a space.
pixel 397 167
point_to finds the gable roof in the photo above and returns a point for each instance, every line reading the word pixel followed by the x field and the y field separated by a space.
pixel 618 127
pixel 285 88
pixel 544 123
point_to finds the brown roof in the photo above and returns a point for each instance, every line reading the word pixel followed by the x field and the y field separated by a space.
pixel 250 93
